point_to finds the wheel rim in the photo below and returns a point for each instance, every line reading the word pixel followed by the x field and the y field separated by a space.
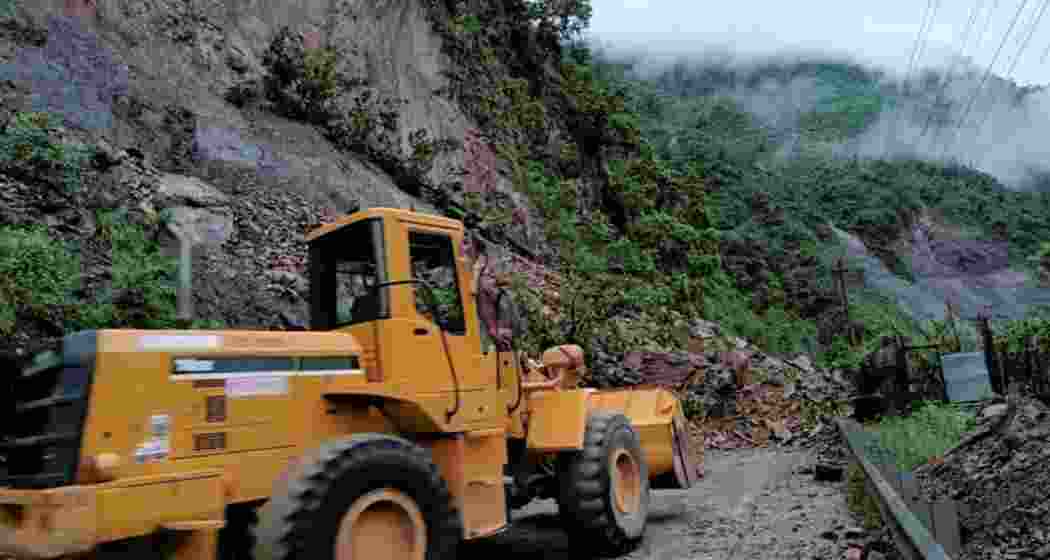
pixel 384 523
pixel 627 482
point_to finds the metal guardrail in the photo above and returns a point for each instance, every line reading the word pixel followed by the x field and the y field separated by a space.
pixel 911 530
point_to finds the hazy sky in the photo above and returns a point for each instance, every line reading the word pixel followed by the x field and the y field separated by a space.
pixel 882 32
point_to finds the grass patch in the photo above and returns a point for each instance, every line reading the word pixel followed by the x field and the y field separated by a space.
pixel 30 146
pixel 142 281
pixel 928 432
pixel 859 501
pixel 37 275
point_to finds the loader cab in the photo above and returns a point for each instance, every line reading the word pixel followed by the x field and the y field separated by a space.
pixel 397 281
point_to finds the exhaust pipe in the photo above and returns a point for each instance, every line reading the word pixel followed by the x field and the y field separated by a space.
pixel 184 287
pixel 184 293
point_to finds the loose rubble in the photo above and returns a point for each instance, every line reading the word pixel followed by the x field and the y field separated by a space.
pixel 1000 485
pixel 739 396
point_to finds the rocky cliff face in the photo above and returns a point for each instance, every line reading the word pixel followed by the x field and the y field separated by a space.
pixel 181 58
pixel 164 101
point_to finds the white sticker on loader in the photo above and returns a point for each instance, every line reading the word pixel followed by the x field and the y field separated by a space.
pixel 178 342
pixel 158 446
pixel 238 387
pixel 160 426
pixel 152 450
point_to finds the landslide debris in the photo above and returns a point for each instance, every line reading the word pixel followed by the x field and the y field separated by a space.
pixel 999 482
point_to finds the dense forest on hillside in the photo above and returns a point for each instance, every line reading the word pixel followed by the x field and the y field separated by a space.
pixel 802 170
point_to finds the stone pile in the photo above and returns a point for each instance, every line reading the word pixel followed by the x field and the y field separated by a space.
pixel 999 483
pixel 737 395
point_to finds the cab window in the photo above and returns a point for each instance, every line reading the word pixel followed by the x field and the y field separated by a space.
pixel 347 276
pixel 434 261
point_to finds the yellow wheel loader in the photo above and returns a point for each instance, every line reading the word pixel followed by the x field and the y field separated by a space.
pixel 387 430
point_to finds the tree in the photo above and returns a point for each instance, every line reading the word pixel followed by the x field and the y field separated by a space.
pixel 571 17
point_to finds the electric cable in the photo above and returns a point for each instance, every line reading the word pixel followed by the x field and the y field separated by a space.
pixel 964 39
pixel 926 40
pixel 1013 65
pixel 984 79
pixel 977 45
pixel 911 61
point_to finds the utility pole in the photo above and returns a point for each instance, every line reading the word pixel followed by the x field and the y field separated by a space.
pixel 840 283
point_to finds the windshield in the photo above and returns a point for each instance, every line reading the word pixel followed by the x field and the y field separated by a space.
pixel 346 267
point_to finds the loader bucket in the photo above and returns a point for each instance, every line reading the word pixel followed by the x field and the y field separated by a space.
pixel 657 416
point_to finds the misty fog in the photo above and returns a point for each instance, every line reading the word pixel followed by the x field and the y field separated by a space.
pixel 939 113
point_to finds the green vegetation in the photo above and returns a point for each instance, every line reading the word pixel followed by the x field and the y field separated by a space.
pixel 1016 334
pixel 142 287
pixel 37 276
pixel 859 500
pixel 30 148
pixel 777 329
pixel 649 268
pixel 41 281
pixel 573 16
pixel 467 23
pixel 300 82
pixel 690 126
pixel 929 431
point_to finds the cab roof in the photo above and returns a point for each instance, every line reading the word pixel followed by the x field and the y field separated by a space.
pixel 401 214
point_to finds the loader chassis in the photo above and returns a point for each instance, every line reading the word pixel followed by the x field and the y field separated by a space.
pixel 129 433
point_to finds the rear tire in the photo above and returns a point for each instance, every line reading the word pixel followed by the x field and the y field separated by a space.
pixel 376 492
pixel 604 489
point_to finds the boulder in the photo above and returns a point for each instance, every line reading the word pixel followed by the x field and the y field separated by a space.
pixel 192 209
pixel 179 190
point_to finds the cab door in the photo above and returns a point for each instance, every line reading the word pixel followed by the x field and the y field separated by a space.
pixel 433 259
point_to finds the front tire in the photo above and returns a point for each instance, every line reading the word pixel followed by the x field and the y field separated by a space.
pixel 604 489
pixel 366 497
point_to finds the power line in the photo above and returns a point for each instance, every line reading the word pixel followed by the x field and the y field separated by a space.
pixel 964 39
pixel 1046 52
pixel 1013 65
pixel 977 45
pixel 987 73
pixel 987 24
pixel 922 52
pixel 926 40
pixel 923 28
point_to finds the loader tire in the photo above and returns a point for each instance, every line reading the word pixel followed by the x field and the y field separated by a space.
pixel 366 497
pixel 603 497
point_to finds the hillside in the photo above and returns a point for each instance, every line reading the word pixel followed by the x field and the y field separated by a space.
pixel 794 147
pixel 655 196
pixel 247 124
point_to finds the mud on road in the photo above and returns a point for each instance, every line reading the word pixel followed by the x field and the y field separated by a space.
pixel 751 503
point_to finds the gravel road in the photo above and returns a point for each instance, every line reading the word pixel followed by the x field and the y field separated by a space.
pixel 752 503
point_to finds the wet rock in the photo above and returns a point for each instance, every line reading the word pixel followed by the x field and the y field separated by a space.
pixel 701 328
pixel 296 282
pixel 607 370
pixel 993 411
pixel 854 533
pixel 179 190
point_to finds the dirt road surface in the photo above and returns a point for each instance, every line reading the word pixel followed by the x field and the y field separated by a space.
pixel 752 503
